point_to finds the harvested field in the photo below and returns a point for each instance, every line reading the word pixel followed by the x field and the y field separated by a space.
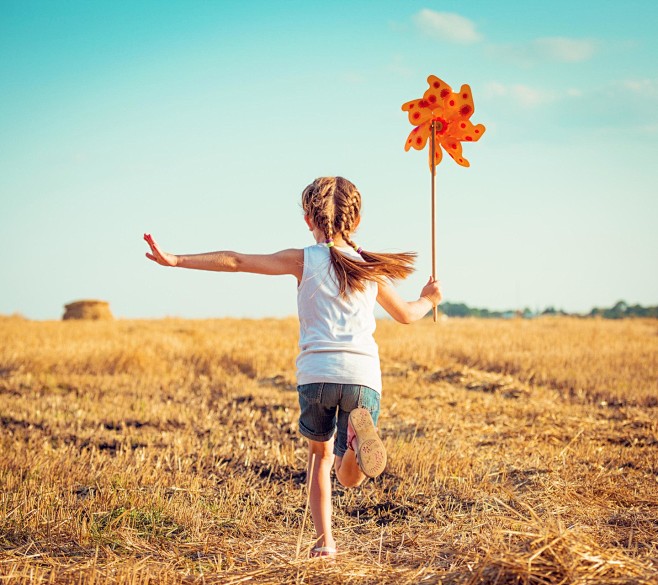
pixel 167 451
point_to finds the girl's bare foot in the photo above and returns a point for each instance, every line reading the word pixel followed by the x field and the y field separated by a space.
pixel 328 552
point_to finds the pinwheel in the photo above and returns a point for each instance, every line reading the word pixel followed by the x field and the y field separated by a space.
pixel 443 116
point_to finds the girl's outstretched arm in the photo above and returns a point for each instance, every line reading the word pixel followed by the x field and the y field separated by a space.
pixel 409 311
pixel 283 262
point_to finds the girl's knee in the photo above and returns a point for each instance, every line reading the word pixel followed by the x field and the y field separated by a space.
pixel 350 482
pixel 348 476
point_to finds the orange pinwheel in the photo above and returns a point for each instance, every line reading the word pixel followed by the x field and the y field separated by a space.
pixel 443 116
pixel 449 113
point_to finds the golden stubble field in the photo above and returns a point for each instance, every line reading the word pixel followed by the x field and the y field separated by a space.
pixel 167 451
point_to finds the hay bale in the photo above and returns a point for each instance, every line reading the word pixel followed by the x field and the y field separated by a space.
pixel 89 309
pixel 13 317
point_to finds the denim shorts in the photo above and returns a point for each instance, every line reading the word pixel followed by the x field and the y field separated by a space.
pixel 325 406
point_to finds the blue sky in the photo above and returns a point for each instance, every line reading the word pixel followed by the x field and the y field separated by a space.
pixel 201 122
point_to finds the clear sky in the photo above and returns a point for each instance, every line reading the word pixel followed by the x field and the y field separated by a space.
pixel 202 121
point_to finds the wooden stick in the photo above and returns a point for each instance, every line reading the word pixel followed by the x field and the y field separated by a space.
pixel 433 158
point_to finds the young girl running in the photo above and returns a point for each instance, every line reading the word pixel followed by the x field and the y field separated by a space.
pixel 338 371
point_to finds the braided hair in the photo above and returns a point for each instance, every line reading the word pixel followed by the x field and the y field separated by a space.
pixel 333 204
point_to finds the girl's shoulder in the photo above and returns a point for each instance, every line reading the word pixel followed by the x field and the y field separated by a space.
pixel 316 251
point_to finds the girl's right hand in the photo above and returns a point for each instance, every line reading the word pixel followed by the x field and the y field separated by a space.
pixel 157 255
pixel 432 291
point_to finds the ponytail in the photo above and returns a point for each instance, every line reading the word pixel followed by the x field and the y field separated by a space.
pixel 352 274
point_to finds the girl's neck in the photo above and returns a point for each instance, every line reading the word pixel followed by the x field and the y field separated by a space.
pixel 338 239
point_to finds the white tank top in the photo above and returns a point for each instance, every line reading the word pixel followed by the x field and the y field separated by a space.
pixel 335 333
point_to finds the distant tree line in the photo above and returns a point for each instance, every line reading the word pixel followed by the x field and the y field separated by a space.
pixel 620 310
pixel 463 310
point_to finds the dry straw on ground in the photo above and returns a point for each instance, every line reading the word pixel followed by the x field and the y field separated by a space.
pixel 167 452
pixel 88 310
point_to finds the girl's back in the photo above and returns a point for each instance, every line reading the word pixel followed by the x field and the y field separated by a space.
pixel 336 331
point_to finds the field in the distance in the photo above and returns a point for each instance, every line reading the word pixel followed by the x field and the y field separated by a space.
pixel 167 451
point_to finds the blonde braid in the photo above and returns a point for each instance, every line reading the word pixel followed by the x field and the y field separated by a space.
pixel 330 208
pixel 346 237
pixel 350 214
pixel 317 201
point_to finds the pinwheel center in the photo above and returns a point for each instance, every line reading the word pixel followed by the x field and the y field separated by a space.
pixel 440 125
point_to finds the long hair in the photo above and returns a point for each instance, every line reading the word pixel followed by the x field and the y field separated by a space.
pixel 334 206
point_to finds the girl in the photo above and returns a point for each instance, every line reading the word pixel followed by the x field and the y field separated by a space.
pixel 338 371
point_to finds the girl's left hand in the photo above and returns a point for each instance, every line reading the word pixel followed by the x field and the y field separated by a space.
pixel 157 255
